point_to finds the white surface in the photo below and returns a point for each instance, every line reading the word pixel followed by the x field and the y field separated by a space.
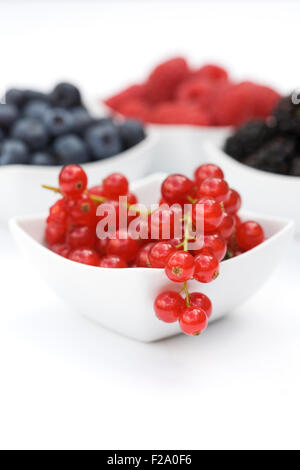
pixel 131 314
pixel 261 191
pixel 66 383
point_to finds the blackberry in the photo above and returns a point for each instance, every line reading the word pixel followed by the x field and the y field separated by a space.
pixel 295 166
pixel 248 138
pixel 275 156
pixel 287 115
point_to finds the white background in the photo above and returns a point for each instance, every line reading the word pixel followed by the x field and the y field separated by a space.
pixel 65 383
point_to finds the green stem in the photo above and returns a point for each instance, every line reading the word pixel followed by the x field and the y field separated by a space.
pixel 187 294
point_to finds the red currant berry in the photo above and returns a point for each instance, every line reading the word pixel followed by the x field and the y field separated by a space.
pixel 164 224
pixel 115 185
pixel 98 191
pixel 215 188
pixel 58 213
pixel 142 259
pixel 208 170
pixel 233 202
pixel 113 261
pixel 216 244
pixel 193 321
pixel 131 199
pixel 226 228
pixel 101 246
pixel 176 188
pixel 209 213
pixel 61 249
pixel 85 256
pixel 55 233
pixel 159 254
pixel 206 266
pixel 199 300
pixel 81 236
pixel 168 305
pixel 82 211
pixel 123 245
pixel 72 181
pixel 237 220
pixel 180 266
pixel 248 235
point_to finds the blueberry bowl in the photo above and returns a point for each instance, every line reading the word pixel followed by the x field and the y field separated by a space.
pixel 39 133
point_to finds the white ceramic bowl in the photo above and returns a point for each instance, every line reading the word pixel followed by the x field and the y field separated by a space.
pixel 122 299
pixel 180 147
pixel 21 191
pixel 261 191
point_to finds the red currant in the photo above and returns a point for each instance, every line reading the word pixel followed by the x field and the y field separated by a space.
pixel 216 244
pixel 233 202
pixel 123 245
pixel 98 191
pixel 209 212
pixel 55 233
pixel 162 223
pixel 82 211
pixel 199 300
pixel 101 245
pixel 237 220
pixel 208 170
pixel 85 256
pixel 131 199
pixel 226 228
pixel 176 188
pixel 159 254
pixel 206 266
pixel 180 266
pixel 72 181
pixel 58 213
pixel 168 305
pixel 248 235
pixel 193 321
pixel 81 236
pixel 142 259
pixel 215 188
pixel 115 185
pixel 113 261
pixel 61 249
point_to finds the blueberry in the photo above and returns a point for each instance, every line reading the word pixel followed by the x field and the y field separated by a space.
pixel 81 119
pixel 32 132
pixel 14 152
pixel 70 149
pixel 65 95
pixel 58 121
pixel 103 141
pixel 15 96
pixel 8 115
pixel 35 109
pixel 43 158
pixel 34 95
pixel 1 135
pixel 132 132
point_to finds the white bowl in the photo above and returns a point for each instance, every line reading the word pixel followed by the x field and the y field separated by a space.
pixel 180 147
pixel 261 191
pixel 21 184
pixel 122 299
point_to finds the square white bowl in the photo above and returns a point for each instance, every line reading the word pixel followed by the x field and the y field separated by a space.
pixel 261 191
pixel 21 191
pixel 122 299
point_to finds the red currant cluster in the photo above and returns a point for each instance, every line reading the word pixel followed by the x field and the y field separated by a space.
pixel 72 223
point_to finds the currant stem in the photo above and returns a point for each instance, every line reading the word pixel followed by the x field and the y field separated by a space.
pixel 187 294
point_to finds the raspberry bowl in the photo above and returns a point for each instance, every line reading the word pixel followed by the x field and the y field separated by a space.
pixel 263 191
pixel 90 290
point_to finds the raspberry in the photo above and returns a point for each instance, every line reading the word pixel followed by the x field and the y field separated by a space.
pixel 194 90
pixel 163 80
pixel 131 93
pixel 210 72
pixel 135 108
pixel 180 113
